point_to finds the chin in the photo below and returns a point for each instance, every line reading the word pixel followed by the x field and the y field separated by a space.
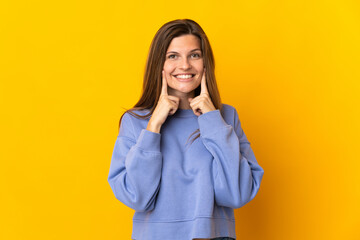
pixel 185 90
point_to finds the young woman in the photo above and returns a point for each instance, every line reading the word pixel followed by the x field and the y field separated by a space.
pixel 182 190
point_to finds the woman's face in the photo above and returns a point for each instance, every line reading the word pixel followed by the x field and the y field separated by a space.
pixel 184 57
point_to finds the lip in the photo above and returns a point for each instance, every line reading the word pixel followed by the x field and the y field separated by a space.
pixel 184 74
pixel 184 79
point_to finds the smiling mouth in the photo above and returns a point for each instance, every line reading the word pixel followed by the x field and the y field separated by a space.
pixel 184 77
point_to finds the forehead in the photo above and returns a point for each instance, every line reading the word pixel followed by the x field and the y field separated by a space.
pixel 184 43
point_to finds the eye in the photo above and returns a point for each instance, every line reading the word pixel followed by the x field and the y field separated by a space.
pixel 196 55
pixel 170 56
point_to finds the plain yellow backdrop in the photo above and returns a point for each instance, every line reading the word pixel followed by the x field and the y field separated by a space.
pixel 67 69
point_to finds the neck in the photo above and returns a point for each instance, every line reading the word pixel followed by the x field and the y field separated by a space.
pixel 184 102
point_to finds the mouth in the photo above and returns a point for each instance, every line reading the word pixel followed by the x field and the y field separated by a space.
pixel 184 77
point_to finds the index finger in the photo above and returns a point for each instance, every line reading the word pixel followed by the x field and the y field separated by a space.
pixel 164 84
pixel 203 84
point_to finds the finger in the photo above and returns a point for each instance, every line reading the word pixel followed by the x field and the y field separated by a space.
pixel 174 108
pixel 203 84
pixel 195 101
pixel 196 112
pixel 164 84
pixel 196 105
pixel 174 99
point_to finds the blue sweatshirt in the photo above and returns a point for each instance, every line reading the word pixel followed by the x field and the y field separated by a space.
pixel 183 191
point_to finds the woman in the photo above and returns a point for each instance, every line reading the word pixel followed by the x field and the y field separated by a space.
pixel 182 191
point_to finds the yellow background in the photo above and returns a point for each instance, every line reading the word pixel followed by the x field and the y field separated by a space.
pixel 290 68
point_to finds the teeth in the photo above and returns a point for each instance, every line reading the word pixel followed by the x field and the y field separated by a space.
pixel 184 76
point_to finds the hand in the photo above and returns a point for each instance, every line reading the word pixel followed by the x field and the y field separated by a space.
pixel 202 103
pixel 166 105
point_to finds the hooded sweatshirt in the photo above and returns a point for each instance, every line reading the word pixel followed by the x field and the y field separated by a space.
pixel 182 190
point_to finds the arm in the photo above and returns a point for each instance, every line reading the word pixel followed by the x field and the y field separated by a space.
pixel 236 173
pixel 135 168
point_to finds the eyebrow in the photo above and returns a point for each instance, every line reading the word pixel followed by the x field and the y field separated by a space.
pixel 190 51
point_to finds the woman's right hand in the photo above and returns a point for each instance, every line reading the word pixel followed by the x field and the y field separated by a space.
pixel 167 105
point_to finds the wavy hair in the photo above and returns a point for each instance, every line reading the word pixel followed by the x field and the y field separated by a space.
pixel 152 83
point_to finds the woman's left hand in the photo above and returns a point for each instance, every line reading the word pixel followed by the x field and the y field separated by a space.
pixel 202 104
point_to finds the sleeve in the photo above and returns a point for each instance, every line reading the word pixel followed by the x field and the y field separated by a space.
pixel 236 173
pixel 135 168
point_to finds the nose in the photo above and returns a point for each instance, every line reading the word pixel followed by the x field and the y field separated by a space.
pixel 185 64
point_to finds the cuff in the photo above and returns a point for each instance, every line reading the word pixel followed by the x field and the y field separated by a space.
pixel 149 141
pixel 211 121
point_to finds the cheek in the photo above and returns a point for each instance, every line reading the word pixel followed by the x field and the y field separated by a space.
pixel 198 82
pixel 168 67
pixel 200 64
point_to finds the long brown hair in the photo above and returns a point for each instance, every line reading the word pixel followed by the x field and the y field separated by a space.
pixel 155 61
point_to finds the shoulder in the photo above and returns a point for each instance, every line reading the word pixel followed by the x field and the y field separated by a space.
pixel 229 114
pixel 133 121
pixel 129 118
pixel 130 115
pixel 232 117
pixel 227 107
pixel 228 110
